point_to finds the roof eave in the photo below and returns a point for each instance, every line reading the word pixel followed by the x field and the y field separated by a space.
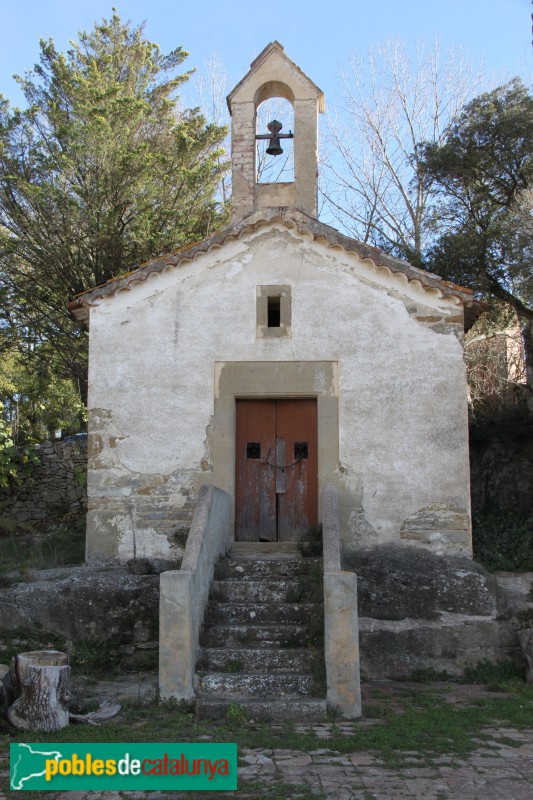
pixel 292 217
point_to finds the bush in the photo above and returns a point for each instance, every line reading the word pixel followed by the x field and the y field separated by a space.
pixel 503 539
pixel 15 464
pixel 508 424
pixel 311 544
pixel 493 674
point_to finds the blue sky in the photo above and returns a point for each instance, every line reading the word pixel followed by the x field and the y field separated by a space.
pixel 317 34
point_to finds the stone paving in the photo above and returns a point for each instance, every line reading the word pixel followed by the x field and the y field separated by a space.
pixel 500 769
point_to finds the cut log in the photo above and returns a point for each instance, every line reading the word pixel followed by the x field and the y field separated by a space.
pixel 525 638
pixel 42 677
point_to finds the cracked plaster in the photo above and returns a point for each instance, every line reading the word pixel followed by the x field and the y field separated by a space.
pixel 401 387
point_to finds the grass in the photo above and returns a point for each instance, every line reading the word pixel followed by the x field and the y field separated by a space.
pixel 233 665
pixel 433 727
pixel 22 639
pixel 420 721
pixel 311 543
pixel 105 660
pixel 89 658
pixel 493 674
pixel 428 675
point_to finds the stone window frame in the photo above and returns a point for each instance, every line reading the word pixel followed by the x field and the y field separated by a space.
pixel 284 292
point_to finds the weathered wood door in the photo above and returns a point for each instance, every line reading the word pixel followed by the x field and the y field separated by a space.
pixel 276 469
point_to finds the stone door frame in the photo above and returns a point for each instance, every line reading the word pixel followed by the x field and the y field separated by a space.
pixel 278 380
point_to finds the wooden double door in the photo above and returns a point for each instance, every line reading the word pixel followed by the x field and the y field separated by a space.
pixel 276 494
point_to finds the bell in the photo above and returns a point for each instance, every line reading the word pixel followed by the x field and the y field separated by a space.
pixel 274 147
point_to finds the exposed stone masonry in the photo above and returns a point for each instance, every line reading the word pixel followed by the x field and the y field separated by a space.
pixel 440 527
pixel 56 485
pixel 133 514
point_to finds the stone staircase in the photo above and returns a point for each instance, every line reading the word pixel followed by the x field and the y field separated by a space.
pixel 261 644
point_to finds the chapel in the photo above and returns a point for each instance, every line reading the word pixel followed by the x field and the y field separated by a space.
pixel 274 358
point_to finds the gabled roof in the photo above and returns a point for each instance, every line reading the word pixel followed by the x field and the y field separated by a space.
pixel 276 50
pixel 291 218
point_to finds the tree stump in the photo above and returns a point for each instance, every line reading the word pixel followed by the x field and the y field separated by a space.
pixel 42 676
pixel 525 638
pixel 6 689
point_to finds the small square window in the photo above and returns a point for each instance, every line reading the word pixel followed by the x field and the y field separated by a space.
pixel 273 311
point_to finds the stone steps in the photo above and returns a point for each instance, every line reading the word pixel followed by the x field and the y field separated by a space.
pixel 247 570
pixel 273 613
pixel 279 636
pixel 257 650
pixel 263 686
pixel 257 659
pixel 283 590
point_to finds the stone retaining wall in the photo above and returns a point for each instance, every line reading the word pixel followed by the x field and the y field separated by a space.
pixel 418 612
pixel 56 486
pixel 97 614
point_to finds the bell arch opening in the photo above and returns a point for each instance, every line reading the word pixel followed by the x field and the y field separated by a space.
pixel 271 168
pixel 273 89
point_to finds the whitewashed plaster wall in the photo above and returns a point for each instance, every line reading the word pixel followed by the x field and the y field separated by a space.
pixel 403 455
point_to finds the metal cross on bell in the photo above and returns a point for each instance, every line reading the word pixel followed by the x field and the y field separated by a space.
pixel 274 147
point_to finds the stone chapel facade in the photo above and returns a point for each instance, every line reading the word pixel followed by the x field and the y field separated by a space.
pixel 274 358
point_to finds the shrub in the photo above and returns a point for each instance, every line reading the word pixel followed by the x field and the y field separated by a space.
pixel 503 539
pixel 494 674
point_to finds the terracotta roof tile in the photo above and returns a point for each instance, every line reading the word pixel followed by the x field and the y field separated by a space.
pixel 292 218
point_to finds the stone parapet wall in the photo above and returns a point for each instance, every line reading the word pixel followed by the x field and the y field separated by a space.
pixel 139 516
pixel 56 485
pixel 398 649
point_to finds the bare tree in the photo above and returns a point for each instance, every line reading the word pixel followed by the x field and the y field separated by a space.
pixel 275 169
pixel 495 367
pixel 210 88
pixel 373 182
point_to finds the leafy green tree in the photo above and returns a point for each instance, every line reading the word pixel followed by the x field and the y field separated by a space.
pixel 8 465
pixel 36 401
pixel 483 171
pixel 16 463
pixel 103 170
